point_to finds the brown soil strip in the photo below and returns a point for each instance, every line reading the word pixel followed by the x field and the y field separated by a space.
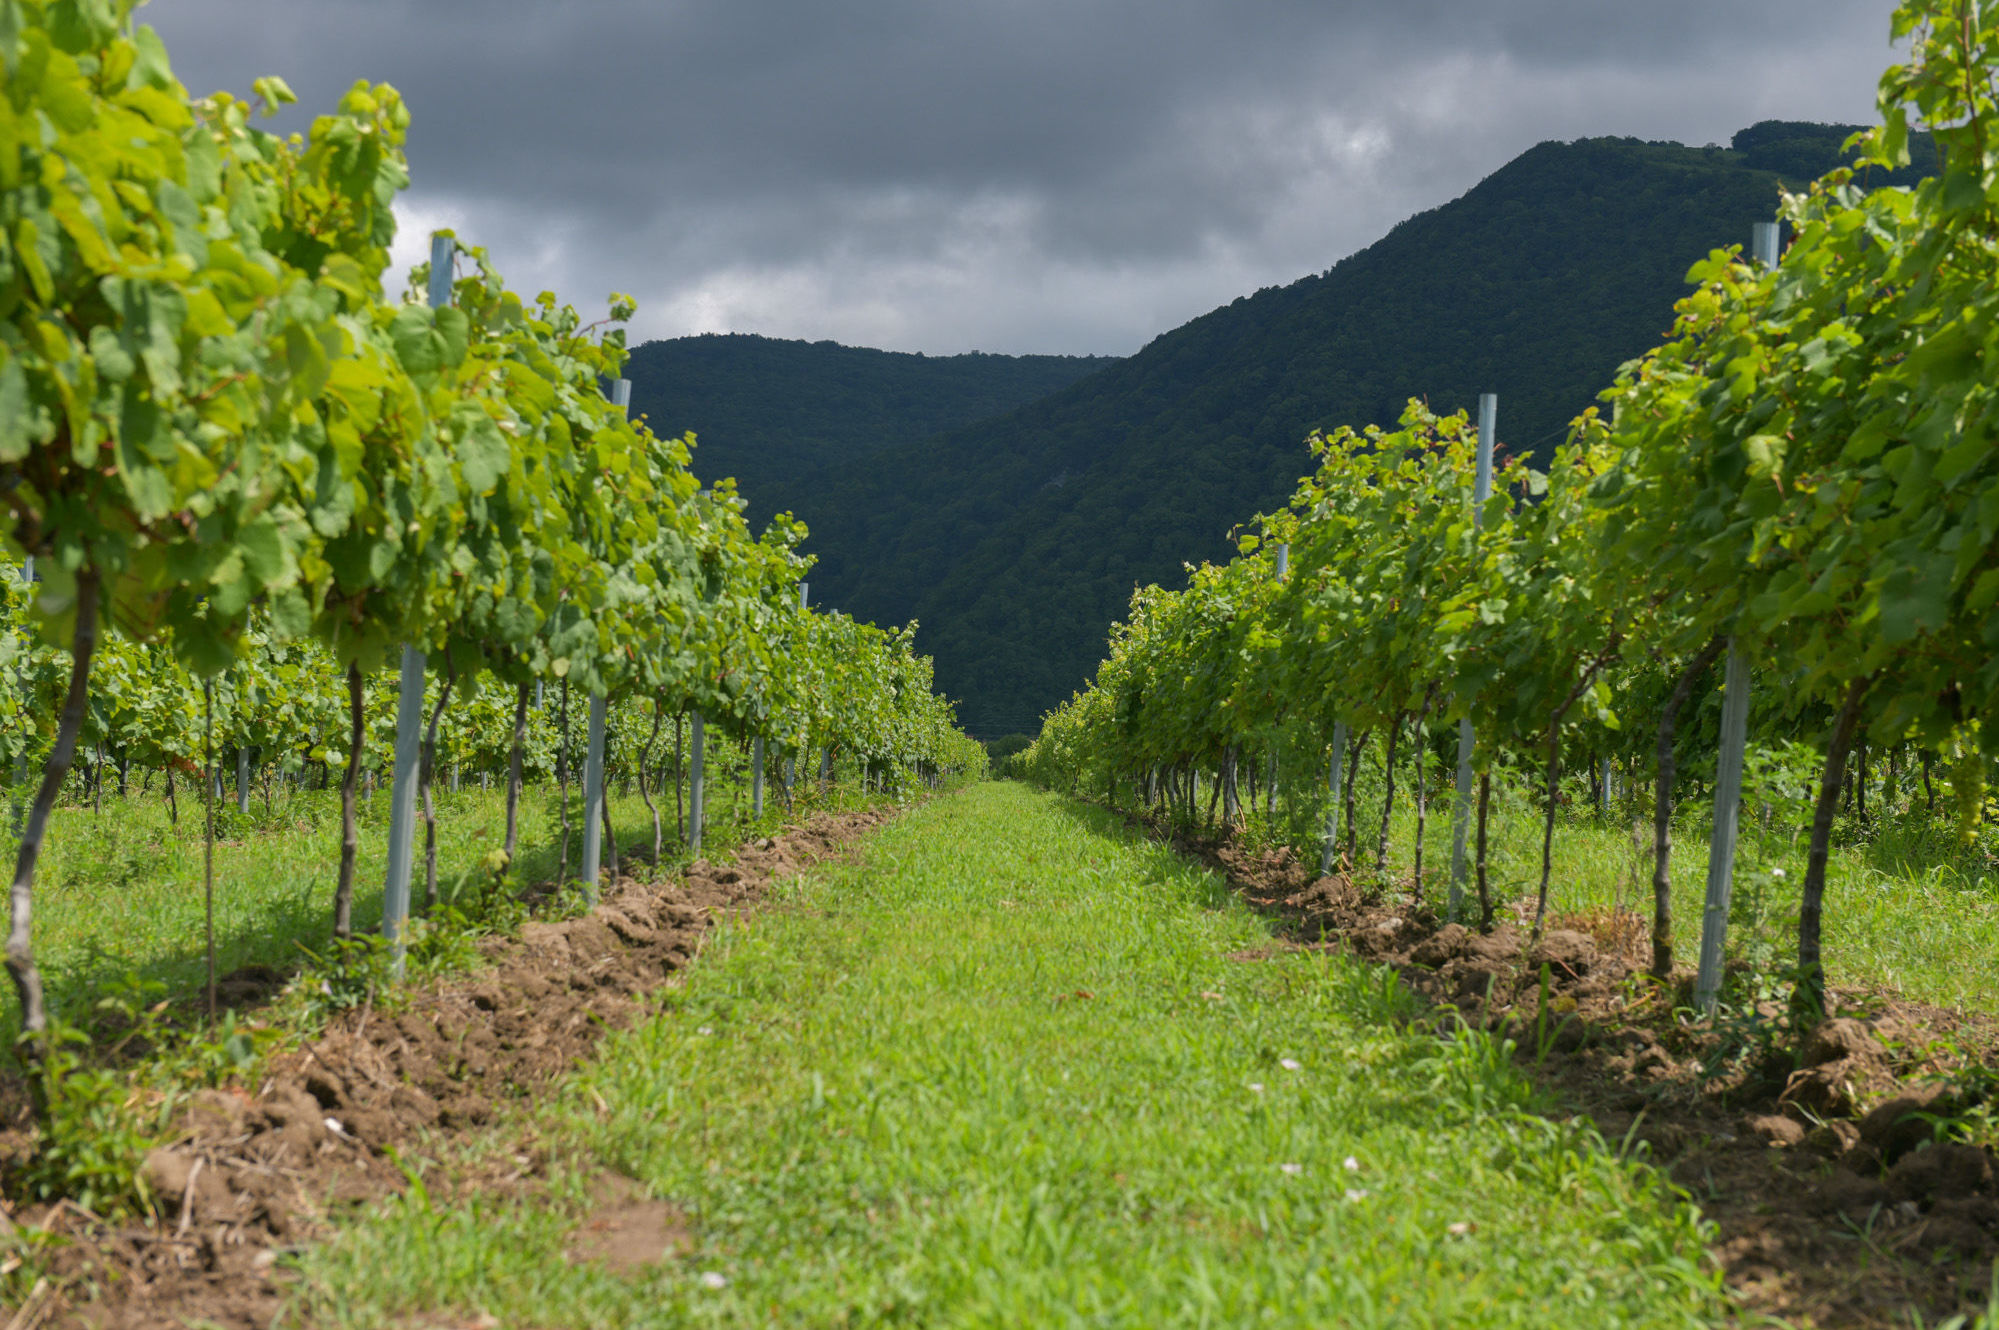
pixel 259 1173
pixel 1833 1205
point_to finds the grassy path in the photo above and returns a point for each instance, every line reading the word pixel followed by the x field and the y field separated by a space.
pixel 1004 1073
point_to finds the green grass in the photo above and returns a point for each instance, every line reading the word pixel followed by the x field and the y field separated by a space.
pixel 119 892
pixel 978 1080
pixel 1919 928
pixel 1906 910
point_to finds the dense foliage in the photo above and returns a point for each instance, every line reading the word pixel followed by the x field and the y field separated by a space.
pixel 1805 467
pixel 248 475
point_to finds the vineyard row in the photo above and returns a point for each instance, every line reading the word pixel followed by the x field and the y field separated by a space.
pixel 1795 496
pixel 249 477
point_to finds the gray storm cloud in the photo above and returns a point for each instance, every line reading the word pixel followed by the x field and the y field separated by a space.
pixel 1008 175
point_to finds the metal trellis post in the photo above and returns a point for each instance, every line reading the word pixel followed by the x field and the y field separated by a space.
pixel 402 804
pixel 1728 769
pixel 27 703
pixel 791 763
pixel 1727 811
pixel 409 717
pixel 696 794
pixel 1461 812
pixel 593 753
pixel 593 795
pixel 1270 785
pixel 1333 784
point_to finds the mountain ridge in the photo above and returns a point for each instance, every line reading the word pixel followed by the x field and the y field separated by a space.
pixel 1016 540
pixel 766 409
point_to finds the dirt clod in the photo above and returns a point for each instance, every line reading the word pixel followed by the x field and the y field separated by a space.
pixel 1775 1129
pixel 1446 944
pixel 1941 1172
pixel 1841 1037
pixel 1565 952
pixel 1834 1139
pixel 1898 1125
pixel 1831 1089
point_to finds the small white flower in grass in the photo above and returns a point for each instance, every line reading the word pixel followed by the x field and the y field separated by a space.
pixel 1776 872
pixel 1293 1169
pixel 714 1279
pixel 702 1029
pixel 1461 1229
pixel 1350 1164
pixel 1356 1195
pixel 1290 1064
pixel 1256 1086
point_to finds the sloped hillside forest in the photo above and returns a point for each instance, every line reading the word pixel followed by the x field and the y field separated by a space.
pixel 1015 541
pixel 1450 792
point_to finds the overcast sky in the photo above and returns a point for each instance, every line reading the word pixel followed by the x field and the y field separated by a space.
pixel 999 175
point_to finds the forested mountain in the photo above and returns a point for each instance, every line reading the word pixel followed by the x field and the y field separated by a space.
pixel 765 410
pixel 1018 540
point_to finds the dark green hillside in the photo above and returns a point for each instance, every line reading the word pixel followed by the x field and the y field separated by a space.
pixel 765 410
pixel 1017 541
pixel 1800 151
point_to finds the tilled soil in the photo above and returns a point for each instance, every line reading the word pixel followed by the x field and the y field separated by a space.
pixel 258 1173
pixel 1834 1205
